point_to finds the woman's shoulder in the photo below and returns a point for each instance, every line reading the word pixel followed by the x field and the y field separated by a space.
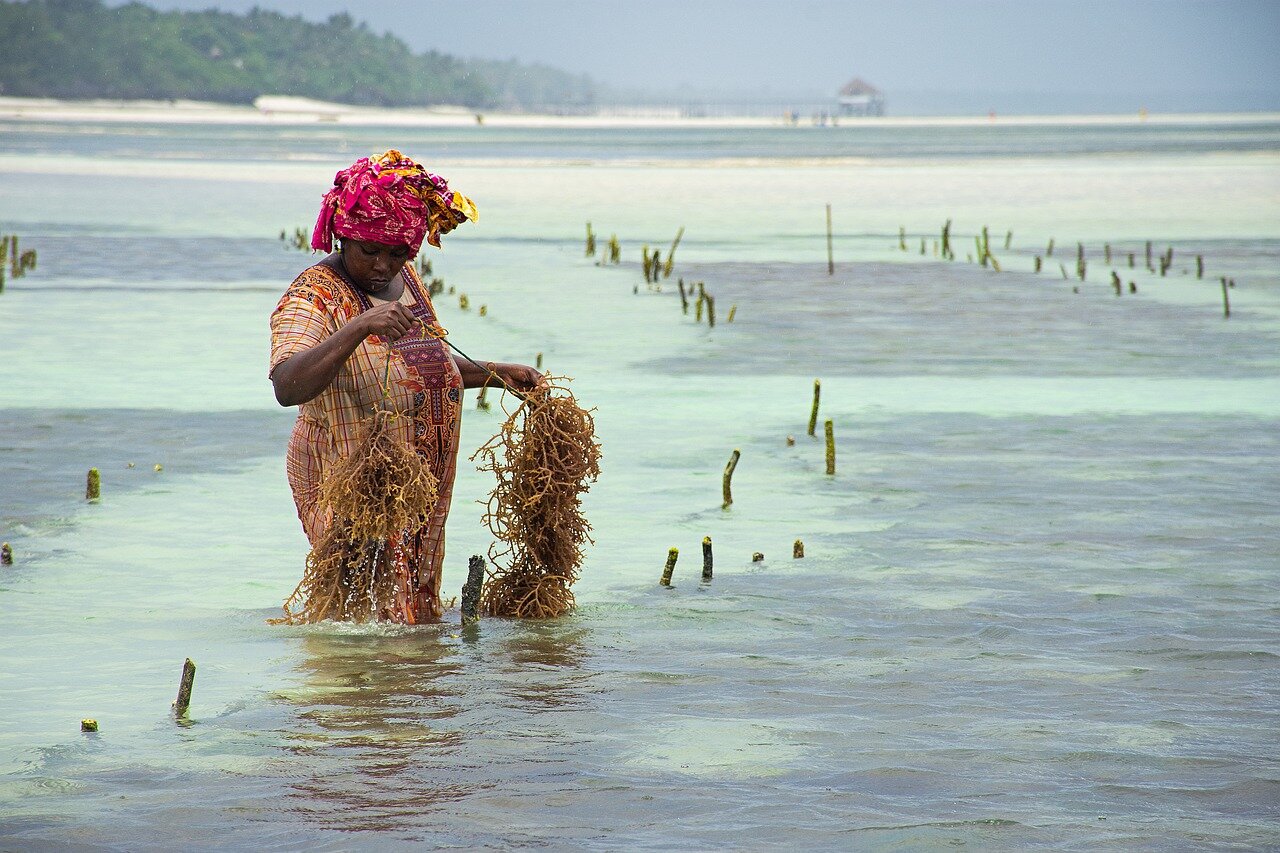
pixel 321 285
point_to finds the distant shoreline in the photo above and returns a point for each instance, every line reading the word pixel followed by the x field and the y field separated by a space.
pixel 285 111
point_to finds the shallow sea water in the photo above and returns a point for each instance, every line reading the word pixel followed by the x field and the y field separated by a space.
pixel 1039 601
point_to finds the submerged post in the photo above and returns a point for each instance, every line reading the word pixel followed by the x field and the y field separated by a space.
pixel 471 590
pixel 947 254
pixel 831 447
pixel 706 559
pixel 725 484
pixel 670 567
pixel 184 688
pixel 813 414
pixel 1226 300
pixel 1199 266
pixel 831 263
pixel 684 297
pixel 93 485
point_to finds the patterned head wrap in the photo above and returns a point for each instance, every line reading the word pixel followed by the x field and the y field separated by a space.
pixel 388 199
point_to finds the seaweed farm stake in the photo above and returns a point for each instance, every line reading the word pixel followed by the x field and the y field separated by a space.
pixel 93 485
pixel 947 254
pixel 6 555
pixel 684 298
pixel 1115 281
pixel 1199 266
pixel 537 363
pixel 671 255
pixel 797 550
pixel 711 311
pixel 1149 267
pixel 1106 253
pixel 706 559
pixel 1226 300
pixel 1008 238
pixel 725 483
pixel 1063 267
pixel 902 238
pixel 1131 264
pixel 922 249
pixel 1037 263
pixel 831 264
pixel 591 242
pixel 1048 252
pixel 184 688
pixel 831 447
pixel 733 309
pixel 667 570
pixel 813 414
pixel 471 590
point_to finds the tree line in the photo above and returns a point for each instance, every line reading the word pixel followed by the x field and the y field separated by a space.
pixel 84 49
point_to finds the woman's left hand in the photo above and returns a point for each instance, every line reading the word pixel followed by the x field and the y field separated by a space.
pixel 519 377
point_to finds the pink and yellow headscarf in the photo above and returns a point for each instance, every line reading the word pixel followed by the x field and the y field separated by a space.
pixel 389 199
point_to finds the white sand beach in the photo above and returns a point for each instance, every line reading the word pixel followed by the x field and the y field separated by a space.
pixel 287 110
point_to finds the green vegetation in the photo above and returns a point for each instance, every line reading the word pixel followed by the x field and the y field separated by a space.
pixel 83 49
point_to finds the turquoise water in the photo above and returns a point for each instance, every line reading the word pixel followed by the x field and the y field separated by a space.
pixel 1039 601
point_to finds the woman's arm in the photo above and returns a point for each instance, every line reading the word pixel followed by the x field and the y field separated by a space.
pixel 304 375
pixel 520 377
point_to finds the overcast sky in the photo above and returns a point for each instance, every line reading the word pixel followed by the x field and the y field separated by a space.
pixel 1111 54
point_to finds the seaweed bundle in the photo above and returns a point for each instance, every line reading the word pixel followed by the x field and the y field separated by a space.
pixel 380 489
pixel 545 457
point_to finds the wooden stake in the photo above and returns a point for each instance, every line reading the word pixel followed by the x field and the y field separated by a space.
pixel 671 255
pixel 1199 266
pixel 947 254
pixel 1048 252
pixel 706 559
pixel 537 365
pixel 1038 263
pixel 797 550
pixel 1106 253
pixel 184 688
pixel 711 311
pixel 93 485
pixel 831 447
pixel 471 590
pixel 813 414
pixel 725 483
pixel 1008 238
pixel 670 567
pixel 733 310
pixel 831 263
pixel 902 238
pixel 1115 281
pixel 1226 300
pixel 684 298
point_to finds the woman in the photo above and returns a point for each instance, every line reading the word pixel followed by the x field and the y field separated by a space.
pixel 352 333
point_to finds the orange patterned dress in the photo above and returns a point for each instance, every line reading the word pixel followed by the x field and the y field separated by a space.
pixel 426 388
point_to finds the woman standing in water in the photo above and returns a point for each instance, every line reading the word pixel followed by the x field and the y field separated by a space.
pixel 352 334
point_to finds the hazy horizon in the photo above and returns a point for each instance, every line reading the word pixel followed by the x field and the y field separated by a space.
pixel 928 56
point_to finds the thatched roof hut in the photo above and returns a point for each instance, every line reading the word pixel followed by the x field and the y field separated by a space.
pixel 858 97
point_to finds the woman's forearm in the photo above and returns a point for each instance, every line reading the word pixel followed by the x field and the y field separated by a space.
pixel 304 375
pixel 519 377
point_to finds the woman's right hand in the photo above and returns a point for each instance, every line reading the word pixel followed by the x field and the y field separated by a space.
pixel 391 320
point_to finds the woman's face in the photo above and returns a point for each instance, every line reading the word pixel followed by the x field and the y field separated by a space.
pixel 373 266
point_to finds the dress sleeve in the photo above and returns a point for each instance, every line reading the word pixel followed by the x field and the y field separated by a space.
pixel 303 318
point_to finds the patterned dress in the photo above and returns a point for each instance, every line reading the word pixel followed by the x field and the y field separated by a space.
pixel 426 388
